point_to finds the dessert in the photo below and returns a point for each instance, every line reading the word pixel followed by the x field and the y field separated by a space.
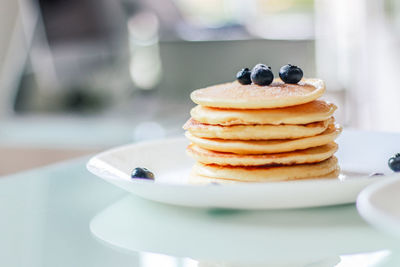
pixel 314 111
pixel 278 94
pixel 266 146
pixel 309 155
pixel 263 131
pixel 256 131
pixel 263 173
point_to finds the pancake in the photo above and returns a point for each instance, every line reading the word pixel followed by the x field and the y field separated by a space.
pixel 196 179
pixel 310 155
pixel 252 96
pixel 266 174
pixel 266 146
pixel 317 110
pixel 256 131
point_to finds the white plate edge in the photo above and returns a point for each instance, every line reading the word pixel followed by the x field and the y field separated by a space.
pixel 374 215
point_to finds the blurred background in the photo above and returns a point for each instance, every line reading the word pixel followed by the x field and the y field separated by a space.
pixel 77 77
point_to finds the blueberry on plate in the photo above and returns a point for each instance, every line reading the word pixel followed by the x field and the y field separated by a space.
pixel 142 173
pixel 290 74
pixel 394 163
pixel 262 75
pixel 243 76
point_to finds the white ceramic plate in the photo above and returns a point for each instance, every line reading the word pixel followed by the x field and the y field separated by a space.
pixel 360 153
pixel 379 204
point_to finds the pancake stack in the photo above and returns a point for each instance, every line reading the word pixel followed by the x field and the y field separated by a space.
pixel 252 133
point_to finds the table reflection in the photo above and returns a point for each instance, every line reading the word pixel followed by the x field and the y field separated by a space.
pixel 218 236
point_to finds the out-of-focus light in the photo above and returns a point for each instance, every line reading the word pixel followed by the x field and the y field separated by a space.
pixel 364 259
pixel 205 13
pixel 283 26
pixel 145 66
pixel 186 262
pixel 143 28
pixel 148 131
pixel 153 259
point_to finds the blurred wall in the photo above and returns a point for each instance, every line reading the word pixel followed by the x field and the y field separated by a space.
pixel 9 16
pixel 191 65
pixel 357 49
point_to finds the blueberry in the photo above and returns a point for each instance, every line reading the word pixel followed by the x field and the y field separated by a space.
pixel 290 74
pixel 261 75
pixel 142 173
pixel 394 163
pixel 243 76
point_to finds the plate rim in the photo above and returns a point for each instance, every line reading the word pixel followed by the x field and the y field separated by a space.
pixel 108 171
pixel 91 167
pixel 372 214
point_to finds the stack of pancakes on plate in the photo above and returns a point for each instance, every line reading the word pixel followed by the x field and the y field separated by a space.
pixel 252 133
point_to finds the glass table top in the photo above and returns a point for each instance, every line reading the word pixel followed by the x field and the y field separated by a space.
pixel 62 215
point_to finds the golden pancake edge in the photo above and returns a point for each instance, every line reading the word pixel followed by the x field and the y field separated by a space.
pixel 266 146
pixel 277 94
pixel 309 155
pixel 267 174
pixel 317 110
pixel 257 131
